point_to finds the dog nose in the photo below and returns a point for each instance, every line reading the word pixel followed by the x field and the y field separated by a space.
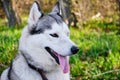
pixel 74 49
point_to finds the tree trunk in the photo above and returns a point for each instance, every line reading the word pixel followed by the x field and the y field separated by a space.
pixel 16 10
pixel 70 18
pixel 10 13
pixel 65 9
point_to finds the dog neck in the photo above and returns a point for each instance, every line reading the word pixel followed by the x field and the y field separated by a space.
pixel 40 71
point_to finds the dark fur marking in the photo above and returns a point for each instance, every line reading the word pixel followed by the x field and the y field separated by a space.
pixel 38 5
pixel 41 16
pixel 60 15
pixel 39 9
pixel 40 71
pixel 52 54
pixel 57 20
pixel 39 30
pixel 34 31
pixel 58 4
pixel 9 72
pixel 58 9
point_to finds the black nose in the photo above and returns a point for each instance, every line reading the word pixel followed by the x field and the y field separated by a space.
pixel 74 49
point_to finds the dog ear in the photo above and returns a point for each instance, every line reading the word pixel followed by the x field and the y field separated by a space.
pixel 35 13
pixel 57 9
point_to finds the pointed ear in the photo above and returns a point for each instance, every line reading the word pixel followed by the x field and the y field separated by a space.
pixel 57 9
pixel 35 13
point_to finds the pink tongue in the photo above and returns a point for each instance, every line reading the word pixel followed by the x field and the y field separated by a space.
pixel 64 64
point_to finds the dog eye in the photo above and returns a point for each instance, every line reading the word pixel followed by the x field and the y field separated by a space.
pixel 54 35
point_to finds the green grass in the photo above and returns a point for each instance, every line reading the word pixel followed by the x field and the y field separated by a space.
pixel 8 45
pixel 99 53
pixel 97 59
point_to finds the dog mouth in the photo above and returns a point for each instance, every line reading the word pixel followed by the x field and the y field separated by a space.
pixel 61 60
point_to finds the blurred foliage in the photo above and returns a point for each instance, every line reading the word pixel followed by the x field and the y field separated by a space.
pixel 106 25
pixel 8 45
pixel 86 9
pixel 99 52
pixel 83 9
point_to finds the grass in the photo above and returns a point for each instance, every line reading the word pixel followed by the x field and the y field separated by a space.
pixel 8 45
pixel 99 53
pixel 97 59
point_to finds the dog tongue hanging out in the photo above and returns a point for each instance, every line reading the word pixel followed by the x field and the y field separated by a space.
pixel 44 48
pixel 64 64
pixel 61 60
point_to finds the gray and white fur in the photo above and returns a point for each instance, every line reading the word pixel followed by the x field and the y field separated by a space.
pixel 44 47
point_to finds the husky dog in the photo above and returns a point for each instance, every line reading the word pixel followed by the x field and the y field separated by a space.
pixel 44 48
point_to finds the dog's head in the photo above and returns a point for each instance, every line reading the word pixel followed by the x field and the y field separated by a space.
pixel 46 39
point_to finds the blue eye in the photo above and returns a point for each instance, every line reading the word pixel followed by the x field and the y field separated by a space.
pixel 54 35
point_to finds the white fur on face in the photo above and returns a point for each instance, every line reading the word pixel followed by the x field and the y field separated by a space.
pixel 34 14
pixel 34 45
pixel 62 44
